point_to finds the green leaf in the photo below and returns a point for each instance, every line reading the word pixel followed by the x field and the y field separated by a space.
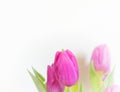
pixel 109 79
pixel 73 88
pixel 40 85
pixel 66 89
pixel 38 75
pixel 95 79
pixel 81 88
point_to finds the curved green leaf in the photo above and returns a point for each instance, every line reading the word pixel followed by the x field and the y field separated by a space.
pixel 39 84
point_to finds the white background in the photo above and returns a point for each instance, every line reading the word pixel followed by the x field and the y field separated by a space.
pixel 31 31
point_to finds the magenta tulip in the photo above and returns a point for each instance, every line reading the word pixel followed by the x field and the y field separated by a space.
pixel 113 88
pixel 66 68
pixel 101 59
pixel 53 85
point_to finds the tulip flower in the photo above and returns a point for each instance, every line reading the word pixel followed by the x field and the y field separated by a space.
pixel 66 68
pixel 101 59
pixel 53 85
pixel 113 88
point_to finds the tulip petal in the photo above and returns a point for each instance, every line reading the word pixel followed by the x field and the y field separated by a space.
pixel 65 70
pixel 113 88
pixel 101 58
pixel 73 59
pixel 53 85
pixel 57 56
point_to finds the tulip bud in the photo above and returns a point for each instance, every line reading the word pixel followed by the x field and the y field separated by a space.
pixel 53 85
pixel 66 68
pixel 113 88
pixel 101 59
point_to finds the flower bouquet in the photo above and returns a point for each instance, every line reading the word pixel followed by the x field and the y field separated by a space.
pixel 63 75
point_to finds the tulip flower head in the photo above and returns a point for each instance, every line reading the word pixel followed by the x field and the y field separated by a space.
pixel 53 85
pixel 66 68
pixel 101 59
pixel 113 88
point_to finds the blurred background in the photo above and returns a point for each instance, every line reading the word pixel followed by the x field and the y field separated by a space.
pixel 31 31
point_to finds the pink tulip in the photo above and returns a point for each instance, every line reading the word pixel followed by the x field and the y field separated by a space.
pixel 53 85
pixel 113 88
pixel 66 68
pixel 101 59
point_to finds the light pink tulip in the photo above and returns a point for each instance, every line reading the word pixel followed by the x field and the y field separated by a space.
pixel 53 85
pixel 66 68
pixel 101 59
pixel 113 88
